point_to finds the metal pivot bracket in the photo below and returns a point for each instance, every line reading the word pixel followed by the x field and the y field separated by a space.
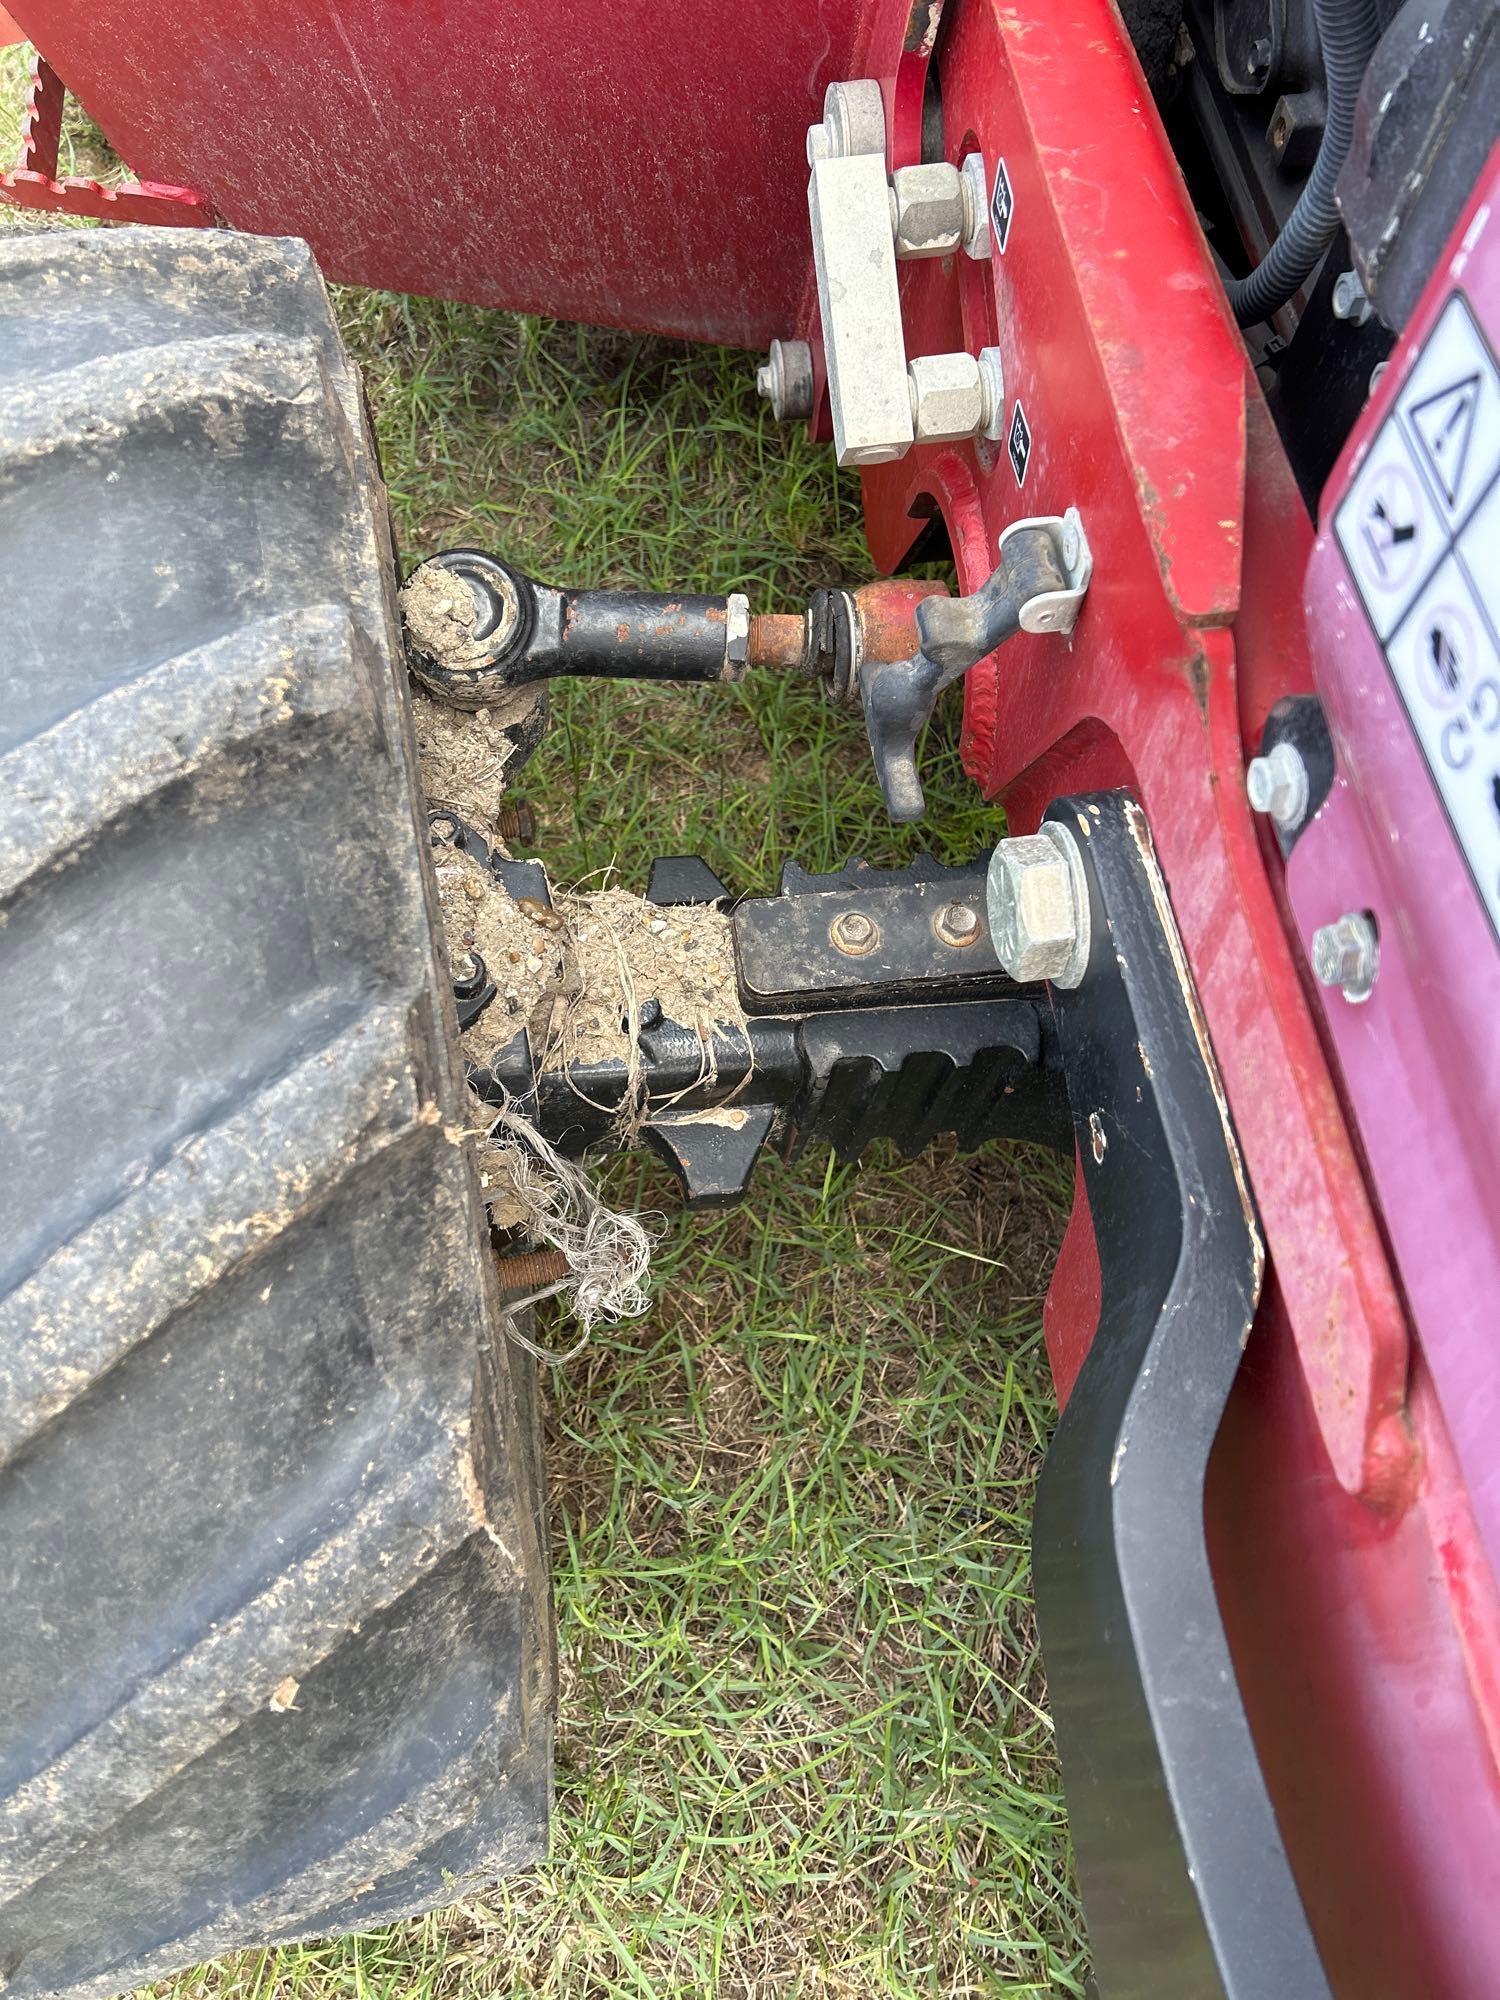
pixel 1037 585
pixel 861 224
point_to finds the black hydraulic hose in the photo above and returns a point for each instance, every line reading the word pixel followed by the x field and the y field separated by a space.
pixel 1348 31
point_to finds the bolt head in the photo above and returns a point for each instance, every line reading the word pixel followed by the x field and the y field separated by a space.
pixel 976 203
pixel 1346 955
pixel 854 934
pixel 1277 783
pixel 1349 300
pixel 957 924
pixel 1037 907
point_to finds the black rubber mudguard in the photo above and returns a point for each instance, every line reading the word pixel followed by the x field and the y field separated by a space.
pixel 274 1647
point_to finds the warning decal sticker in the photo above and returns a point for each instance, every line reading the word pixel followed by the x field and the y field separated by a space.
pixel 1420 531
pixel 1002 207
pixel 1018 443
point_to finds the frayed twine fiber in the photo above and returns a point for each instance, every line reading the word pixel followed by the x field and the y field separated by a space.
pixel 608 1253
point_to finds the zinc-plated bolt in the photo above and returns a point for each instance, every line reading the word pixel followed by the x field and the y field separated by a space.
pixel 1039 906
pixel 976 200
pixel 1277 784
pixel 853 122
pixel 992 389
pixel 957 924
pixel 785 379
pixel 1350 300
pixel 854 934
pixel 1346 955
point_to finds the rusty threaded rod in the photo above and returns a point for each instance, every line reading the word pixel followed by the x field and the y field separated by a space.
pixel 529 1270
pixel 776 640
pixel 516 821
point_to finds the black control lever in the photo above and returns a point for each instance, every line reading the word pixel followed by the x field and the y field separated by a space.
pixel 1036 586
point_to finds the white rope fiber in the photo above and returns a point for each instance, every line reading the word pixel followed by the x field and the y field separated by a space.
pixel 608 1252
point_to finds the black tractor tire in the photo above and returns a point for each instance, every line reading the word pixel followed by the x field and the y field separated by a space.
pixel 275 1651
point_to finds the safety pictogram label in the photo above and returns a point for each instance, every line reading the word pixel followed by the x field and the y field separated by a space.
pixel 1002 207
pixel 1447 666
pixel 1420 530
pixel 1449 409
pixel 1390 530
pixel 1018 443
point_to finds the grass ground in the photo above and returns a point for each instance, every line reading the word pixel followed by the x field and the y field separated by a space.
pixel 803 1742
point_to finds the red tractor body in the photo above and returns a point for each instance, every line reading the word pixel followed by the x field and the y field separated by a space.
pixel 644 167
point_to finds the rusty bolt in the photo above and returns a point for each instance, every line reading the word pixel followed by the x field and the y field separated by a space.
pixel 957 924
pixel 516 821
pixel 530 1270
pixel 854 934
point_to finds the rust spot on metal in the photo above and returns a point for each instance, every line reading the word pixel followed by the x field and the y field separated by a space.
pixel 775 641
pixel 527 1270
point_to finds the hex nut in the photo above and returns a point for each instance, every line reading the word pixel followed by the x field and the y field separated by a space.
pixel 927 208
pixel 736 635
pixel 1346 955
pixel 974 178
pixel 1350 301
pixel 854 933
pixel 947 396
pixel 1038 907
pixel 1277 783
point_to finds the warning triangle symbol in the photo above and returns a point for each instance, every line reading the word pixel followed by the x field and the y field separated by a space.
pixel 1444 424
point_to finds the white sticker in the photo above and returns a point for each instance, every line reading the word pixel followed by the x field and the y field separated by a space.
pixel 1447 666
pixel 1449 407
pixel 1420 530
pixel 1479 554
pixel 1389 529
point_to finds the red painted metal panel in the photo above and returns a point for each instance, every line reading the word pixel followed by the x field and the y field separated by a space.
pixel 608 160
pixel 1137 394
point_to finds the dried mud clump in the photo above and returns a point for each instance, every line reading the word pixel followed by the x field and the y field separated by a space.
pixel 438 608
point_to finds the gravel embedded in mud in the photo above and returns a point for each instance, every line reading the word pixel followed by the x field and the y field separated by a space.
pixel 525 953
pixel 438 608
pixel 462 754
pixel 628 951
